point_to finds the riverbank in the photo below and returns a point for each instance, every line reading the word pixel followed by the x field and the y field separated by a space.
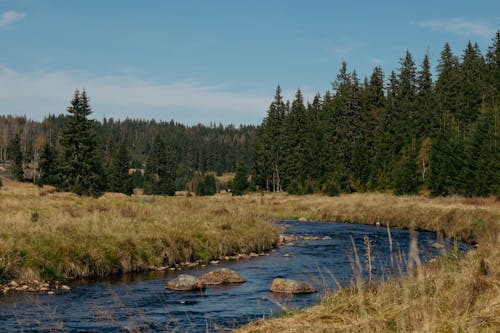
pixel 49 236
pixel 454 293
pixel 62 236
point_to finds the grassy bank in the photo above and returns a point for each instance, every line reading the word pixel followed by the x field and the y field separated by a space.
pixel 456 293
pixel 58 235
pixel 62 236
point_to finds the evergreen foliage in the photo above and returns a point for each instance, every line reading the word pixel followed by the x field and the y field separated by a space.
pixel 405 176
pixel 80 169
pixel 406 133
pixel 160 172
pixel 119 178
pixel 207 186
pixel 48 166
pixel 412 134
pixel 240 181
pixel 15 154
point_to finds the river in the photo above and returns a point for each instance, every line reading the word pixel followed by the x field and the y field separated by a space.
pixel 140 302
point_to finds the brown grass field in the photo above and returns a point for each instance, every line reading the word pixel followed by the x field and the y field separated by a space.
pixel 49 235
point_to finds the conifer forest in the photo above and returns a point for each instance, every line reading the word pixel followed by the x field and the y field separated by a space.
pixel 412 130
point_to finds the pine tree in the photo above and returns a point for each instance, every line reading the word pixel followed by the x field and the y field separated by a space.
pixel 493 70
pixel 296 153
pixel 240 181
pixel 269 150
pixel 482 165
pixel 80 169
pixel 448 83
pixel 472 85
pixel 160 173
pixel 405 174
pixel 48 166
pixel 207 186
pixel 119 178
pixel 427 119
pixel 15 154
pixel 446 163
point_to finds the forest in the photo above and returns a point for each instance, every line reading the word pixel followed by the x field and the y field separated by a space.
pixel 409 132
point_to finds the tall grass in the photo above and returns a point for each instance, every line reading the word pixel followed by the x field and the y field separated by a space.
pixel 72 237
pixel 59 235
pixel 455 293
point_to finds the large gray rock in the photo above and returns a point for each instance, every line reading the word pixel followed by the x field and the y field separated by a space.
pixel 185 282
pixel 221 276
pixel 290 286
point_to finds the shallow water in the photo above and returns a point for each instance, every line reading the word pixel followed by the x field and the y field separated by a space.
pixel 140 302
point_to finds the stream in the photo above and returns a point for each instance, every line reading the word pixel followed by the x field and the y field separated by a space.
pixel 139 302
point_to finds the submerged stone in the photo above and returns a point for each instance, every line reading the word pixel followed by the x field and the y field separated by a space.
pixel 185 282
pixel 222 276
pixel 290 286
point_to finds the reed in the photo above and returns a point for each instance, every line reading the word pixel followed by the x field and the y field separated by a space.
pixel 59 235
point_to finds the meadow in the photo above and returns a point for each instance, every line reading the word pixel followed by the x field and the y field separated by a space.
pixel 49 235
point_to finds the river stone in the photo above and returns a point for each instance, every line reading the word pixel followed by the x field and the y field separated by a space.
pixel 290 286
pixel 302 219
pixel 438 245
pixel 221 276
pixel 185 282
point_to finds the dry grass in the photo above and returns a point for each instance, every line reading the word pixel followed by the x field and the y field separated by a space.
pixel 62 236
pixel 71 237
pixel 456 293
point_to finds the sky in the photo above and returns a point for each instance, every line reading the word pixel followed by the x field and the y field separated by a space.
pixel 213 61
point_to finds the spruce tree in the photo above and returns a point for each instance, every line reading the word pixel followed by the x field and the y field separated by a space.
pixel 80 169
pixel 207 186
pixel 405 174
pixel 119 178
pixel 269 151
pixel 493 70
pixel 448 82
pixel 48 166
pixel 160 173
pixel 15 154
pixel 427 119
pixel 240 181
pixel 472 85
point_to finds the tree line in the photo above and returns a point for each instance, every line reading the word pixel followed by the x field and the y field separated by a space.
pixel 39 151
pixel 407 133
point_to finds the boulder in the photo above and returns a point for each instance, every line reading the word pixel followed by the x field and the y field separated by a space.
pixel 185 283
pixel 302 219
pixel 221 276
pixel 291 286
pixel 438 245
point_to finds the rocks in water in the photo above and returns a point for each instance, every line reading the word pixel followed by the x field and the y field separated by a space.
pixel 221 276
pixel 185 282
pixel 290 286
pixel 310 238
pixel 287 238
pixel 302 219
pixel 438 245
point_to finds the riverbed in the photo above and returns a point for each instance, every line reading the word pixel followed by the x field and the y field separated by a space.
pixel 140 302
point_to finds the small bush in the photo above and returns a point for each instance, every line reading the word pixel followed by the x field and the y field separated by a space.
pixel 35 216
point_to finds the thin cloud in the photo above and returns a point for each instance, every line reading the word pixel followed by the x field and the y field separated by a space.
pixel 461 27
pixel 10 17
pixel 38 94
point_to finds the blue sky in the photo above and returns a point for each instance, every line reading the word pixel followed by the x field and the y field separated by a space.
pixel 212 61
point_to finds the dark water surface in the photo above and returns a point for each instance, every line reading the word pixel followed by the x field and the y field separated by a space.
pixel 140 302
